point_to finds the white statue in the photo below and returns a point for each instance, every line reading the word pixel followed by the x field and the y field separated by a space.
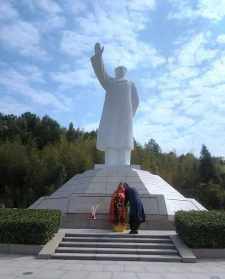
pixel 115 133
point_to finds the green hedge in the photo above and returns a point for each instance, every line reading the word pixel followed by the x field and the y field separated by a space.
pixel 201 229
pixel 28 226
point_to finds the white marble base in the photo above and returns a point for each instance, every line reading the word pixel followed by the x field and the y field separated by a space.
pixel 95 187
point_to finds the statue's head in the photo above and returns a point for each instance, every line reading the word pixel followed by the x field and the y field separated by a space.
pixel 120 71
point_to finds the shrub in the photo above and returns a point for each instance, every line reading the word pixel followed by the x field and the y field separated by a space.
pixel 201 229
pixel 28 226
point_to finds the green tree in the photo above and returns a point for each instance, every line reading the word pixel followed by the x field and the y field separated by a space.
pixel 28 124
pixel 37 156
pixel 152 146
pixel 206 167
pixel 212 196
pixel 13 169
pixel 71 133
pixel 48 132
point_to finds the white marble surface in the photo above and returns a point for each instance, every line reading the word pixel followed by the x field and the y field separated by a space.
pixel 96 186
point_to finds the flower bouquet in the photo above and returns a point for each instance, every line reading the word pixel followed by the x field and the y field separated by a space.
pixel 118 210
pixel 92 215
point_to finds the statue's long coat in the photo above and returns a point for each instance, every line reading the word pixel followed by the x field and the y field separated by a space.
pixel 121 102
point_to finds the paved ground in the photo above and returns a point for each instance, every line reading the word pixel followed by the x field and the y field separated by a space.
pixel 12 267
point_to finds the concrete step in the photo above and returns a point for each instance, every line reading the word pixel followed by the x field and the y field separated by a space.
pixel 114 239
pixel 115 235
pixel 88 250
pixel 116 257
pixel 103 245
pixel 134 245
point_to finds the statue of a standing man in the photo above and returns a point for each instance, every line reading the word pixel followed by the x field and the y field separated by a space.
pixel 115 133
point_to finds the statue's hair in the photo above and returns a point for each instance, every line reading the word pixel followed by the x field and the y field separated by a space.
pixel 123 67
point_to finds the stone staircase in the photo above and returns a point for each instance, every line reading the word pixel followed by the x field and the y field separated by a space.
pixel 103 246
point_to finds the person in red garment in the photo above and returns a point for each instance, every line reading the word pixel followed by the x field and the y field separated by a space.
pixel 118 211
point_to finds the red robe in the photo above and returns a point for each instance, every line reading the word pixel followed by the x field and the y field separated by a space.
pixel 118 212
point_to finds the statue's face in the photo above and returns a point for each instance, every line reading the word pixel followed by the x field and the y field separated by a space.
pixel 120 72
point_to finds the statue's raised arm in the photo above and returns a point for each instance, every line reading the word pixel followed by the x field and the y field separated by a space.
pixel 98 66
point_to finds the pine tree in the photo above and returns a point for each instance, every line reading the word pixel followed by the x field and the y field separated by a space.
pixel 153 146
pixel 71 133
pixel 207 170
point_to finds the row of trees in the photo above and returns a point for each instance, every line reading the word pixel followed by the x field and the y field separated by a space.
pixel 200 178
pixel 37 156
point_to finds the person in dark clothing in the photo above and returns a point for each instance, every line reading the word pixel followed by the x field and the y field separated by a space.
pixel 136 212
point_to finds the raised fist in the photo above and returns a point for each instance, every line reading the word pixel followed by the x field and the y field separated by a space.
pixel 98 49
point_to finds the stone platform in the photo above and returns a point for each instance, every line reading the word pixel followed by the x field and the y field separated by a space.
pixel 95 187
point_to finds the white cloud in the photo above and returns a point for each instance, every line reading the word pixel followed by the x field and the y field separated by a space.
pixel 33 72
pixel 165 135
pixel 208 131
pixel 187 108
pixel 182 72
pixel 164 111
pixel 22 36
pixel 75 7
pixel 91 126
pixel 195 51
pixel 116 25
pixel 17 83
pixel 133 54
pixel 26 36
pixel 221 39
pixel 51 23
pixel 182 10
pixel 54 19
pixel 185 133
pixel 7 11
pixel 69 79
pixel 184 119
pixel 141 5
pixel 9 105
pixel 130 53
pixel 50 14
pixel 76 44
pixel 211 9
pixel 215 75
pixel 48 6
pixel 186 66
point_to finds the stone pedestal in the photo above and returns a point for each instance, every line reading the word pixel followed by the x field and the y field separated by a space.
pixel 95 187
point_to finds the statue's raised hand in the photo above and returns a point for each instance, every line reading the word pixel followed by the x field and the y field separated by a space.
pixel 98 49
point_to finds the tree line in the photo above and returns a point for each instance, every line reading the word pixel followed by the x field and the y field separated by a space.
pixel 37 156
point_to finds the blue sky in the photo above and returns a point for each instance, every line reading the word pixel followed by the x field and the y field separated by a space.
pixel 174 51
